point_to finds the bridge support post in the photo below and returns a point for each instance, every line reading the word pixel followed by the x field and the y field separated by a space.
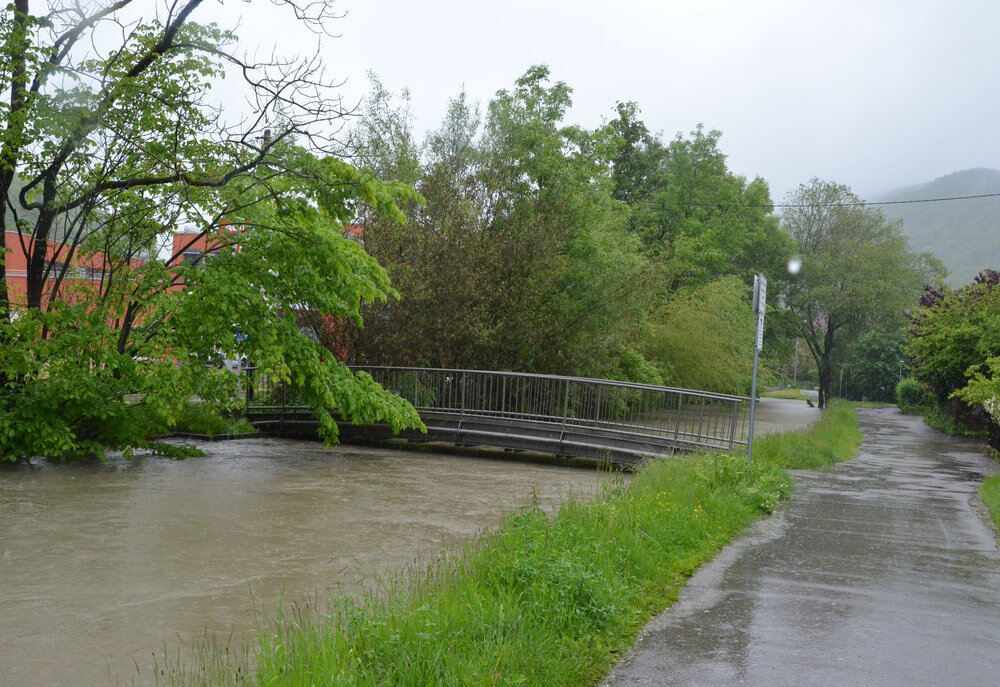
pixel 597 413
pixel 732 429
pixel 565 415
pixel 461 408
pixel 701 419
pixel 677 421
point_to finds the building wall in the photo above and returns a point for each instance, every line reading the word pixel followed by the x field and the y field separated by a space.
pixel 83 275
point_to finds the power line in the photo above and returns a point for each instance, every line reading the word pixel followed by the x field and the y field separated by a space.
pixel 862 203
pixel 848 204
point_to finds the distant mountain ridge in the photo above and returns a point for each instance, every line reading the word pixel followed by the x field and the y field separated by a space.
pixel 964 234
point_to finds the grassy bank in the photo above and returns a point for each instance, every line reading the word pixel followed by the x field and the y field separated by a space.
pixel 833 437
pixel 546 599
pixel 990 491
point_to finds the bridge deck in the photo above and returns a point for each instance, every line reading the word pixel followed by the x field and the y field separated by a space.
pixel 605 420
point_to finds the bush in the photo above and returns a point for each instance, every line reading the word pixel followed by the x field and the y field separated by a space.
pixel 200 418
pixel 951 418
pixel 911 396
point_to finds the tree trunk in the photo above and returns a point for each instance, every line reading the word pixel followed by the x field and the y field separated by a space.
pixel 825 364
pixel 824 381
pixel 4 297
pixel 37 271
pixel 10 141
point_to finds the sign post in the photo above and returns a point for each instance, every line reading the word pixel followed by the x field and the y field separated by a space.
pixel 759 298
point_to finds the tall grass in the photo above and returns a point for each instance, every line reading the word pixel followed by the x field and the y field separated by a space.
pixel 990 491
pixel 546 599
pixel 832 438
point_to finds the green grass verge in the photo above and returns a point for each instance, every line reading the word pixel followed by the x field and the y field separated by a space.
pixel 795 394
pixel 990 491
pixel 546 599
pixel 872 404
pixel 832 438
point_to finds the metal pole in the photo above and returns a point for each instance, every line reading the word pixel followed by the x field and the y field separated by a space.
pixel 677 423
pixel 732 428
pixel 753 404
pixel 759 299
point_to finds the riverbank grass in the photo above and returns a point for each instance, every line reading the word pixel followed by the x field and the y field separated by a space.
pixel 832 438
pixel 545 599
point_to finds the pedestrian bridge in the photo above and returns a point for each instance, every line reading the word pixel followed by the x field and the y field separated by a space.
pixel 599 419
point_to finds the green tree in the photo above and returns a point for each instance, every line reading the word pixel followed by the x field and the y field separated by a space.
pixel 955 338
pixel 873 364
pixel 697 219
pixel 106 148
pixel 858 272
pixel 519 257
pixel 704 338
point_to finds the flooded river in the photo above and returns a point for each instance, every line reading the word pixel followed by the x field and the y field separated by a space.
pixel 101 566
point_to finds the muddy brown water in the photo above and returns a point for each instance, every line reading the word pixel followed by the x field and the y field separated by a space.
pixel 102 566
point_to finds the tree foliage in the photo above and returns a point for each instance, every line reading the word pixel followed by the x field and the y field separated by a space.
pixel 858 272
pixel 518 257
pixel 955 345
pixel 703 339
pixel 699 220
pixel 872 364
pixel 107 148
pixel 548 247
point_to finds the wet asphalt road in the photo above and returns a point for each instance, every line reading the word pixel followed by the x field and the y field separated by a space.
pixel 880 571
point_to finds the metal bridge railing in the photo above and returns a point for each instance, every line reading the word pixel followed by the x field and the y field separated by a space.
pixel 683 416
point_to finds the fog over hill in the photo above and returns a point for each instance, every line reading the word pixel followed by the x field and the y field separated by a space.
pixel 965 234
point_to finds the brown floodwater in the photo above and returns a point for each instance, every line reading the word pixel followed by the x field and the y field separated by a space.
pixel 103 566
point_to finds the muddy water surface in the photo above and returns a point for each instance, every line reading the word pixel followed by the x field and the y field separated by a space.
pixel 103 566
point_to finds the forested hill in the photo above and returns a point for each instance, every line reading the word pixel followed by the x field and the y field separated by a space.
pixel 965 234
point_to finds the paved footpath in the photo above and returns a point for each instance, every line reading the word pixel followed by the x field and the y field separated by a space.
pixel 880 571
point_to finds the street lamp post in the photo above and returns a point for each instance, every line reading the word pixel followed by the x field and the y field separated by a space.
pixel 759 300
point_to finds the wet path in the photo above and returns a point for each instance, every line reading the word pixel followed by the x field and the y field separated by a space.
pixel 881 571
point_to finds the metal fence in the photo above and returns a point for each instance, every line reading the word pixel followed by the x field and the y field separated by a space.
pixel 682 417
pixel 596 418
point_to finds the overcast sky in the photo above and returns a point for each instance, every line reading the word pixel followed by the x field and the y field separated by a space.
pixel 873 94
